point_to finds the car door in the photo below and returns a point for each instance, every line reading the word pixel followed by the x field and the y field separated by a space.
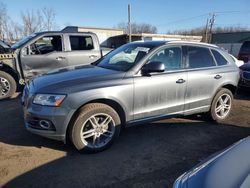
pixel 43 55
pixel 161 94
pixel 81 49
pixel 204 78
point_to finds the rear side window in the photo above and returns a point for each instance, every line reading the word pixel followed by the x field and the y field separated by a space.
pixel 81 43
pixel 219 58
pixel 199 57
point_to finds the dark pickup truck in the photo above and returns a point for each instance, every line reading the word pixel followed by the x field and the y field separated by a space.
pixel 43 52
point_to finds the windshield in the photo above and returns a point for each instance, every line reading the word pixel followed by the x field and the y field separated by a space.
pixel 23 41
pixel 125 57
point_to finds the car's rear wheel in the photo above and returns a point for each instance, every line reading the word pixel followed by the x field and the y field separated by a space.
pixel 7 85
pixel 95 128
pixel 222 105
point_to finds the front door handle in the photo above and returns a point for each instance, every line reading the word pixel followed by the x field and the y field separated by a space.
pixel 218 76
pixel 180 81
pixel 60 58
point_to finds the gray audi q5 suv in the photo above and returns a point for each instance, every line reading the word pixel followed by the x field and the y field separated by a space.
pixel 138 82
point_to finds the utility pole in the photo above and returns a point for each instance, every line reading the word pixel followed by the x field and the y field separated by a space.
pixel 212 20
pixel 206 32
pixel 129 23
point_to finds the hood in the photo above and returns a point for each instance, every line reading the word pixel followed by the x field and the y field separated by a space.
pixel 5 48
pixel 245 67
pixel 4 45
pixel 72 80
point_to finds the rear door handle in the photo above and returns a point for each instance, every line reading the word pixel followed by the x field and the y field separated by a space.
pixel 218 76
pixel 92 56
pixel 180 81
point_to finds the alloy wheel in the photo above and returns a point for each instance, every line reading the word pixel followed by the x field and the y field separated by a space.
pixel 223 105
pixel 97 130
pixel 4 86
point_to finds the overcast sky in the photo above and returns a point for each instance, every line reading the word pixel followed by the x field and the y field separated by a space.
pixel 166 15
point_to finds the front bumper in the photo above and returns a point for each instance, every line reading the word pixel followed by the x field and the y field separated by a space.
pixel 244 83
pixel 245 79
pixel 46 133
pixel 59 117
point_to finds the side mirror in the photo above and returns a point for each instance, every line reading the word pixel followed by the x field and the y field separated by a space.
pixel 153 66
pixel 25 51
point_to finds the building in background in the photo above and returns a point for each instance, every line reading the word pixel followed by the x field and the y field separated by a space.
pixel 113 38
pixel 119 40
pixel 230 41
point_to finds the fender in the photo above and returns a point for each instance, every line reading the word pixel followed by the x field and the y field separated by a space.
pixel 9 64
pixel 6 68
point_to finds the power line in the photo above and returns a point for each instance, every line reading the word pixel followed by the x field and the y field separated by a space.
pixel 232 12
pixel 182 20
pixel 203 15
pixel 233 25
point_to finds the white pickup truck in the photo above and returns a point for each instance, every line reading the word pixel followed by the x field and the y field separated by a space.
pixel 43 52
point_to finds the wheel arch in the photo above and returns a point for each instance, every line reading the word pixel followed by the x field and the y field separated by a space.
pixel 110 102
pixel 230 87
pixel 10 71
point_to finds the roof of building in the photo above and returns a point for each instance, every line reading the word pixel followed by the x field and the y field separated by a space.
pixel 232 37
pixel 156 35
pixel 77 29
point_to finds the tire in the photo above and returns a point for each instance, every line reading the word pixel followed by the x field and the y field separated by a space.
pixel 8 85
pixel 221 105
pixel 95 128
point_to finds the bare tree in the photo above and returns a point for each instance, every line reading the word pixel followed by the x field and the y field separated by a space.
pixel 3 20
pixel 40 20
pixel 15 31
pixel 137 28
pixel 201 30
pixel 32 22
pixel 48 15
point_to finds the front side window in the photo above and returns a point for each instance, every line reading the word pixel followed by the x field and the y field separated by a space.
pixel 81 43
pixel 199 57
pixel 170 57
pixel 46 45
pixel 219 58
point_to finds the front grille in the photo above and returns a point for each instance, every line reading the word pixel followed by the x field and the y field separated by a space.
pixel 246 75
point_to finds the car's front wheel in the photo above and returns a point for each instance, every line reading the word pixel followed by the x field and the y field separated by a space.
pixel 95 127
pixel 7 85
pixel 221 105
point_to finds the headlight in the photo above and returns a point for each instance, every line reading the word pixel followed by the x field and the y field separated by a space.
pixel 49 99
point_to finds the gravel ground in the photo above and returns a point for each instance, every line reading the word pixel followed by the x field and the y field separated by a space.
pixel 149 155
